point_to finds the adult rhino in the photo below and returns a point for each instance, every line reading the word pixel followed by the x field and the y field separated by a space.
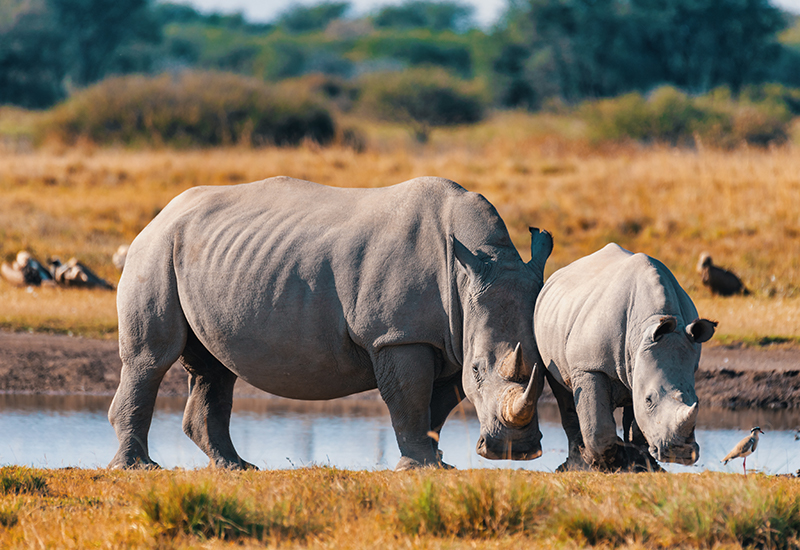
pixel 313 292
pixel 615 329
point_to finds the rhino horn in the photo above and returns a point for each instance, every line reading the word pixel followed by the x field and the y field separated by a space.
pixel 687 419
pixel 519 406
pixel 513 367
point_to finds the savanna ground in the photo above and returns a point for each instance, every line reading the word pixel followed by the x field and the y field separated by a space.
pixel 328 508
pixel 741 206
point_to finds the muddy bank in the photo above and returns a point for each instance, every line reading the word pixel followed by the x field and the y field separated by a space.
pixel 729 377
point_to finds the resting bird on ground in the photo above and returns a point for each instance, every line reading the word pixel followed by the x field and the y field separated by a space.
pixel 744 448
pixel 720 281
pixel 25 271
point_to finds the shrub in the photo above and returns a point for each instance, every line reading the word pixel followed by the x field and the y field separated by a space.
pixel 192 109
pixel 670 116
pixel 421 98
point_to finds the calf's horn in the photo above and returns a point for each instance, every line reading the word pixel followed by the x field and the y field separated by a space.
pixel 513 367
pixel 519 405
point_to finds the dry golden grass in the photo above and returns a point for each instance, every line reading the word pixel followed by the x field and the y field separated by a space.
pixel 741 206
pixel 328 508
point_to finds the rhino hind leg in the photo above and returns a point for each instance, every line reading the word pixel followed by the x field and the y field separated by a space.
pixel 130 414
pixel 207 416
pixel 405 380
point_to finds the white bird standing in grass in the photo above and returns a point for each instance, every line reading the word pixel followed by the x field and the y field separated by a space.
pixel 744 448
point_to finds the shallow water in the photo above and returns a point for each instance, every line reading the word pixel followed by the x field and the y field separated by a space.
pixel 61 431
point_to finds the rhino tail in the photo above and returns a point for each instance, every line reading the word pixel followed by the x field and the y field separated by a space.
pixel 541 247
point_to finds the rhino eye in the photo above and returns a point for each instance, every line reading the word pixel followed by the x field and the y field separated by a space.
pixel 475 368
pixel 649 402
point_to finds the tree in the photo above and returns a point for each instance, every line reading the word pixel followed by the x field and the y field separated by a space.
pixel 98 30
pixel 299 19
pixel 31 62
pixel 421 98
pixel 596 48
pixel 438 16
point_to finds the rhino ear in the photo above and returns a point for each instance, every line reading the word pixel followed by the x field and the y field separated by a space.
pixel 474 266
pixel 541 247
pixel 665 326
pixel 701 330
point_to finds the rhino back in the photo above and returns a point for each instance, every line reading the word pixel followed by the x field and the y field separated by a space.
pixel 284 276
pixel 591 315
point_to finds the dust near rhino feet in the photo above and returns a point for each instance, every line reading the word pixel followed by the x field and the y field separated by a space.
pixel 729 377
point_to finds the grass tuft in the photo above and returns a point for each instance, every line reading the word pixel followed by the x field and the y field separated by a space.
pixel 19 480
pixel 197 510
pixel 9 513
pixel 477 507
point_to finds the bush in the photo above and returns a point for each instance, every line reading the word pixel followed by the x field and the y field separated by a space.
pixel 192 109
pixel 670 116
pixel 421 98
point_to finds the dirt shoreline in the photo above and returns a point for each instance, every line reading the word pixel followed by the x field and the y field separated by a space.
pixel 729 377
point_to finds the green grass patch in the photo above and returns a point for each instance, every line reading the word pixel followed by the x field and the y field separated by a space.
pixel 200 510
pixel 20 480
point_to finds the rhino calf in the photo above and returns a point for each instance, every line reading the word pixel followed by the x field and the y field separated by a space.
pixel 615 329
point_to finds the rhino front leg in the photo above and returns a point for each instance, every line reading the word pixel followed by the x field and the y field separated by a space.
pixel 571 425
pixel 207 417
pixel 593 404
pixel 405 376
pixel 637 454
pixel 446 396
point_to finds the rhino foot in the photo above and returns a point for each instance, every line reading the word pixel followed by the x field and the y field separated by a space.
pixel 132 463
pixel 231 465
pixel 573 464
pixel 610 460
pixel 407 463
pixel 637 459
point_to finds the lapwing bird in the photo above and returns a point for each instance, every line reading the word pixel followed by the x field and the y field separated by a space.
pixel 744 448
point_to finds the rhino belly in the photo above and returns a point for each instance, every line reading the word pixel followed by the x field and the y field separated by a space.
pixel 292 340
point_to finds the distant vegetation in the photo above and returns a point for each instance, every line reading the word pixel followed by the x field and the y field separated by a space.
pixel 207 109
pixel 541 54
pixel 760 117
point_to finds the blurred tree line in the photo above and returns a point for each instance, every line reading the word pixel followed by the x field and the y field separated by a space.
pixel 541 52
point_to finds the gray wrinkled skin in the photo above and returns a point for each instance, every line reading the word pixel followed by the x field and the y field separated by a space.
pixel 615 329
pixel 314 292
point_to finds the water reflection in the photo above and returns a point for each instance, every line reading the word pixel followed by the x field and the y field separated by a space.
pixel 58 431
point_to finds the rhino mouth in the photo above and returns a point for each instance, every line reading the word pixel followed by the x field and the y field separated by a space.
pixel 498 449
pixel 685 454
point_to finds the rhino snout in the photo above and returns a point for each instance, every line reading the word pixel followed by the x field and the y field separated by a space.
pixel 685 453
pixel 501 449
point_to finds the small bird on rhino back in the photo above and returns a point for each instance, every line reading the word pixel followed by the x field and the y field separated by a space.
pixel 719 281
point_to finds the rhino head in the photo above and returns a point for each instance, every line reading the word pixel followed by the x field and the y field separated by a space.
pixel 664 398
pixel 501 376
